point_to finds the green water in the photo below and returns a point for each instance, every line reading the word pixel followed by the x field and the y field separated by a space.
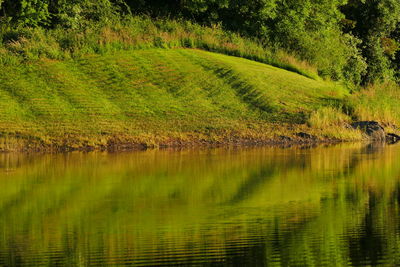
pixel 323 206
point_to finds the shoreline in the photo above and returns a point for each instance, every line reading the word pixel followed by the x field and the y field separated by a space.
pixel 30 146
pixel 269 135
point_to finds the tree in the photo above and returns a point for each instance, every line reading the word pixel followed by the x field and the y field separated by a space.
pixel 374 22
pixel 26 12
pixel 79 13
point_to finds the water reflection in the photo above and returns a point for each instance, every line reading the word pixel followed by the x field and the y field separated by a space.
pixel 319 206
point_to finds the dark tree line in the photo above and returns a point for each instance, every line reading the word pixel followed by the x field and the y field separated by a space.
pixel 356 40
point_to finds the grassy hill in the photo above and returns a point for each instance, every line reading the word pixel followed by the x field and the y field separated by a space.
pixel 156 97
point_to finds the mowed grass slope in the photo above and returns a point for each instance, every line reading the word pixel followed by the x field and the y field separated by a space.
pixel 153 97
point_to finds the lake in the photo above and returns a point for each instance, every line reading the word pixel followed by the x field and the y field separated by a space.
pixel 320 206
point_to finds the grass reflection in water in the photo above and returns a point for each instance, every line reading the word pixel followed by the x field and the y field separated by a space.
pixel 335 205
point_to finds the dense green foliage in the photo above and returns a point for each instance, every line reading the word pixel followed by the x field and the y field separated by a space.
pixel 376 23
pixel 351 40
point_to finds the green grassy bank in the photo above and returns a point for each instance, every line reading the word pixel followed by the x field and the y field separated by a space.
pixel 154 97
pixel 151 83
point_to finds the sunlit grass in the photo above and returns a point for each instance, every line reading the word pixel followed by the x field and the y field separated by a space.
pixel 378 102
pixel 152 97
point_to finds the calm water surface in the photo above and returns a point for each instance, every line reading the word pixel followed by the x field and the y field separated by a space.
pixel 324 206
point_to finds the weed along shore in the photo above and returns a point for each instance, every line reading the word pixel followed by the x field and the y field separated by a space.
pixel 267 135
pixel 186 140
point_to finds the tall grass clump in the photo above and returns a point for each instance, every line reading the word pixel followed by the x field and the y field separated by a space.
pixel 333 123
pixel 140 32
pixel 379 102
pixel 328 116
